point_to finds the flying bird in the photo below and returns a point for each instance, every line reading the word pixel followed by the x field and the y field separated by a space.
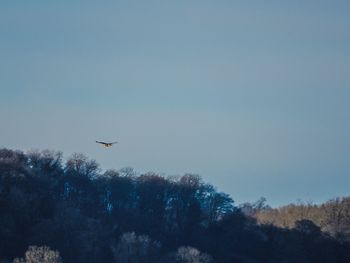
pixel 106 144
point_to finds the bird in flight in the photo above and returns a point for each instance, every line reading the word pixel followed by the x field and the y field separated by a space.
pixel 106 144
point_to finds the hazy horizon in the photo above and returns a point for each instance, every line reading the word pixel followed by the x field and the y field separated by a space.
pixel 254 97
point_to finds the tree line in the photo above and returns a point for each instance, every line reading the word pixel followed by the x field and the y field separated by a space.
pixel 54 210
pixel 332 217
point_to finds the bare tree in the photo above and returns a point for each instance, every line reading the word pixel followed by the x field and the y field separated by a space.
pixel 132 248
pixel 36 254
pixel 79 164
pixel 191 255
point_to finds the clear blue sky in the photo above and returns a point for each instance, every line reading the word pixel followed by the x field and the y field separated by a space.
pixel 252 95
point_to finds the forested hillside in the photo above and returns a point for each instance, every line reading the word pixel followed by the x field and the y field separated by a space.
pixel 55 210
pixel 332 217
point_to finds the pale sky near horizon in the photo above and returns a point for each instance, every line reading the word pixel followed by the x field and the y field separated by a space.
pixel 252 95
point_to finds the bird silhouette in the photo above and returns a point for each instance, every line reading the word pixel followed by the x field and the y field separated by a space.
pixel 106 144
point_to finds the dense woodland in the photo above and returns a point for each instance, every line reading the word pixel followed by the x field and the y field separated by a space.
pixel 332 217
pixel 54 210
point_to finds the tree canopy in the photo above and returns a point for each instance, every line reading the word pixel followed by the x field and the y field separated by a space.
pixel 56 210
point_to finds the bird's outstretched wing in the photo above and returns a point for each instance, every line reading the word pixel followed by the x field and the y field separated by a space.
pixel 106 144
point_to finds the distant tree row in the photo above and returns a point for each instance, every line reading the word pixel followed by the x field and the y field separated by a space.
pixel 54 211
pixel 332 217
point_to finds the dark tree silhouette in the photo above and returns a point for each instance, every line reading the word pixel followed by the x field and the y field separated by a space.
pixel 119 216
